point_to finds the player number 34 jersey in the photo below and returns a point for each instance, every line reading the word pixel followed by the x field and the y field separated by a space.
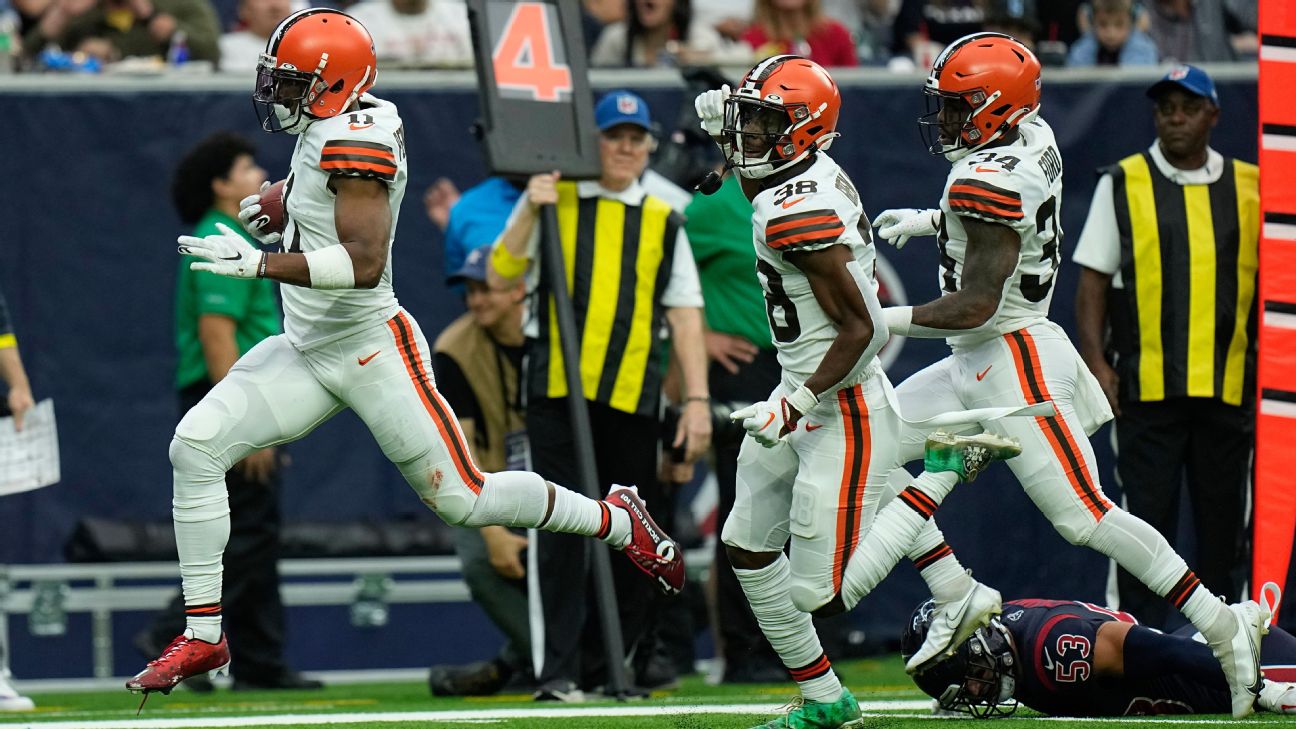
pixel 369 142
pixel 811 211
pixel 1018 185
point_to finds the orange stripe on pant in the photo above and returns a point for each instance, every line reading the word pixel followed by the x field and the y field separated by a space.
pixel 855 467
pixel 1055 428
pixel 432 402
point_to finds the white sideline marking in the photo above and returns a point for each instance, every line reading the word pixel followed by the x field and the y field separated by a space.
pixel 474 716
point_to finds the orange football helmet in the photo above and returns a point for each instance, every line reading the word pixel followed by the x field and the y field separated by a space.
pixel 999 80
pixel 784 110
pixel 316 64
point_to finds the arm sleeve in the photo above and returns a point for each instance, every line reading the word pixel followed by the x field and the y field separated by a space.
pixel 1099 244
pixel 355 157
pixel 684 289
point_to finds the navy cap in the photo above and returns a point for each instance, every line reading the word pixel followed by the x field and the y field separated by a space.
pixel 474 267
pixel 621 107
pixel 1189 78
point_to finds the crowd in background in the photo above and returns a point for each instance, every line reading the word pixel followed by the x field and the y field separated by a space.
pixel 146 35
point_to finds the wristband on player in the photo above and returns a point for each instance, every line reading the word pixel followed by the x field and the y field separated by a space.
pixel 803 399
pixel 331 268
pixel 898 319
pixel 506 264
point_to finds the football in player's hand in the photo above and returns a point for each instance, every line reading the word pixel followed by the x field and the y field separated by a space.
pixel 272 210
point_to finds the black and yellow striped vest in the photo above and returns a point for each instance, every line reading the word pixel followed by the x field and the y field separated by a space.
pixel 618 261
pixel 1185 323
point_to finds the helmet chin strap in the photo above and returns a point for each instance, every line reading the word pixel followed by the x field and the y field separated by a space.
pixel 954 153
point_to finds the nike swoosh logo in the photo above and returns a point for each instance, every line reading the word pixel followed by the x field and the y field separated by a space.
pixel 767 422
pixel 810 427
pixel 1048 661
pixel 981 375
pixel 790 203
pixel 234 257
pixel 365 360
pixel 358 127
pixel 985 169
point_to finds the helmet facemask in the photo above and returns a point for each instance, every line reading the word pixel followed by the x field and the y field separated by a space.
pixel 283 94
pixel 986 676
pixel 758 134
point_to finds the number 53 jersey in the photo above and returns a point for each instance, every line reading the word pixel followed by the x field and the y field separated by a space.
pixel 1018 185
pixel 806 212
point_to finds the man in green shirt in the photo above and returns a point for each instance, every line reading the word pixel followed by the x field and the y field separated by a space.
pixel 743 369
pixel 218 319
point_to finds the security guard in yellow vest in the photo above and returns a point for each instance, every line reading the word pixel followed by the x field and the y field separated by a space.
pixel 630 271
pixel 1169 257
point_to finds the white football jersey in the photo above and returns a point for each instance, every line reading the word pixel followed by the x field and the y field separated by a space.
pixel 369 142
pixel 1018 185
pixel 808 212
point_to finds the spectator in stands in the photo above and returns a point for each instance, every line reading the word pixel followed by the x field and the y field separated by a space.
pixel 18 402
pixel 1017 18
pixel 418 32
pixel 660 33
pixel 875 27
pixel 115 29
pixel 1113 38
pixel 1203 31
pixel 744 369
pixel 800 27
pixel 1173 230
pixel 924 27
pixel 473 219
pixel 240 49
pixel 620 366
pixel 218 319
pixel 476 363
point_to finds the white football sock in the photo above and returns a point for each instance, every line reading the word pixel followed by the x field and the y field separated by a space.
pixel 892 534
pixel 790 631
pixel 576 514
pixel 939 567
pixel 200 511
pixel 1144 553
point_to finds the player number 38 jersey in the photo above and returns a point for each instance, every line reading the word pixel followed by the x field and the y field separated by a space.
pixel 808 212
pixel 1018 185
pixel 369 142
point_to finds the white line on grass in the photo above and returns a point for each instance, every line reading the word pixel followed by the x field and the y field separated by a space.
pixel 474 715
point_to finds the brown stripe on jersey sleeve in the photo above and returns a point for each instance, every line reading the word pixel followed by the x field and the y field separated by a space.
pixel 979 198
pixel 798 230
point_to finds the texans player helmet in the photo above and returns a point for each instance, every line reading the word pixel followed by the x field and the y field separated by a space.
pixel 979 679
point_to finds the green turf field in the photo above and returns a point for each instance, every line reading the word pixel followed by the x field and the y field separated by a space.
pixel 890 700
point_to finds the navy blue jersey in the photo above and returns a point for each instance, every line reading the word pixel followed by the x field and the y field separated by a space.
pixel 1055 639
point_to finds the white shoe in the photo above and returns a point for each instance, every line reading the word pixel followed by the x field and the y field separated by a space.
pixel 954 623
pixel 10 699
pixel 1240 655
pixel 1278 698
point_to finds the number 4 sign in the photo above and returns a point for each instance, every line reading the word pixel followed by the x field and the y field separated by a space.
pixel 524 59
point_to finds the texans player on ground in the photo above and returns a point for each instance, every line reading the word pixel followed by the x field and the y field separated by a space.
pixel 1072 658
pixel 823 443
pixel 997 229
pixel 347 343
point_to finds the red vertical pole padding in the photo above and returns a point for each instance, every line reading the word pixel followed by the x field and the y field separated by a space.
pixel 1275 479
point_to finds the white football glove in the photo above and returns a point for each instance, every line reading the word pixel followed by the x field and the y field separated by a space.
pixel 250 215
pixel 710 106
pixel 227 253
pixel 770 421
pixel 898 226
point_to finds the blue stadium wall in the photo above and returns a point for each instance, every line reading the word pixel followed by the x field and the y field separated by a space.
pixel 88 263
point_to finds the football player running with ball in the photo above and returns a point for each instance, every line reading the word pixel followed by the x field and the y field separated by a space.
pixel 822 445
pixel 348 343
pixel 999 239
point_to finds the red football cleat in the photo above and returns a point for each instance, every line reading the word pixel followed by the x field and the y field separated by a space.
pixel 184 658
pixel 650 549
